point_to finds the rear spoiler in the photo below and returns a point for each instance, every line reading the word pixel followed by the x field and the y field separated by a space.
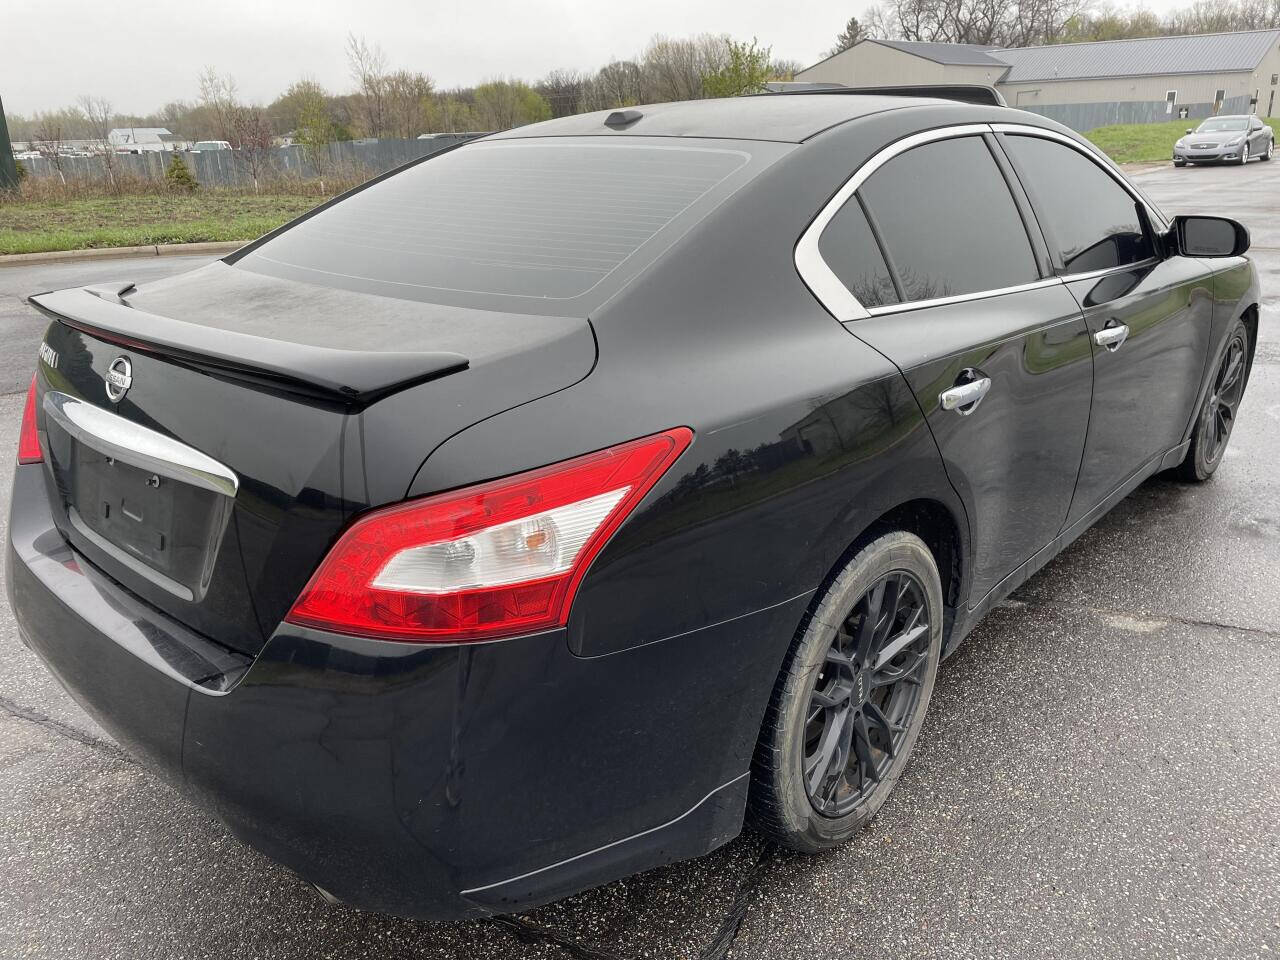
pixel 353 378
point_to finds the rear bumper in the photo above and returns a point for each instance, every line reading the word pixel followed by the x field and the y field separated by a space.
pixel 437 781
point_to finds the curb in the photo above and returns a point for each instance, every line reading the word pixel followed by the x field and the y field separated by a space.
pixel 100 253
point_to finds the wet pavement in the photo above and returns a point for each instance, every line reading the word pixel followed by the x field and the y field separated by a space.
pixel 1099 775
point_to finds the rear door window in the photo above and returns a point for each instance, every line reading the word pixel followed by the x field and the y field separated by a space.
pixel 542 220
pixel 851 251
pixel 1100 234
pixel 948 221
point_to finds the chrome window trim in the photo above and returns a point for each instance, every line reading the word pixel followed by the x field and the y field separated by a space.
pixel 813 270
pixel 962 297
pixel 114 436
pixel 1099 159
pixel 844 306
pixel 1092 274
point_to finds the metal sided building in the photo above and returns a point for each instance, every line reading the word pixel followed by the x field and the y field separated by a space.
pixel 1085 85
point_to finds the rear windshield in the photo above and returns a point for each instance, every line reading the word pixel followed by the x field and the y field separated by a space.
pixel 535 219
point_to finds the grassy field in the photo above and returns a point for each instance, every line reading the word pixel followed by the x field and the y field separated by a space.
pixel 32 226
pixel 1146 142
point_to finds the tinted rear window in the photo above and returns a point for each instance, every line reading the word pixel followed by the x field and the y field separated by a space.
pixel 510 219
pixel 948 221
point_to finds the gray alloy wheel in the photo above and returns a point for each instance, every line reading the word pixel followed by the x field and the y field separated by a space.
pixel 851 698
pixel 1217 416
pixel 1244 154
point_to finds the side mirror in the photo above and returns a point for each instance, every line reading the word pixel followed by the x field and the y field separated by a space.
pixel 1191 130
pixel 1210 237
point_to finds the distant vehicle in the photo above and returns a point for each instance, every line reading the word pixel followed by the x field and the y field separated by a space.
pixel 27 155
pixel 1225 140
pixel 210 146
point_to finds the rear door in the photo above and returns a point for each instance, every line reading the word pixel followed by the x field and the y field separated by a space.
pixel 938 262
pixel 1150 319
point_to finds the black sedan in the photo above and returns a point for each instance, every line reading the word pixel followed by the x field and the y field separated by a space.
pixel 542 511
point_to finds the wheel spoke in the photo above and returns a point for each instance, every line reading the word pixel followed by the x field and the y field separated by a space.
pixel 821 763
pixel 870 620
pixel 830 699
pixel 890 675
pixel 862 749
pixel 876 716
pixel 898 644
pixel 1232 372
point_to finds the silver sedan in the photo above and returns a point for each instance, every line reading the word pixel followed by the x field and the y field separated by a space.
pixel 1225 140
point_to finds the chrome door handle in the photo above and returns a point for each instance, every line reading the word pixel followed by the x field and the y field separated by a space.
pixel 964 397
pixel 1112 337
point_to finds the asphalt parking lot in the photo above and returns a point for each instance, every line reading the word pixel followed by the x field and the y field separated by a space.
pixel 1099 775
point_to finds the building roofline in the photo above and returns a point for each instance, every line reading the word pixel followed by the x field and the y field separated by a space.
pixel 1123 76
pixel 1162 36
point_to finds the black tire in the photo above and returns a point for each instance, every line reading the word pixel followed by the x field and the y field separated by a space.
pixel 1179 163
pixel 1244 155
pixel 1271 149
pixel 1217 416
pixel 880 727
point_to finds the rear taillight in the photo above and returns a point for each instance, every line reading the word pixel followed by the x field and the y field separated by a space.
pixel 489 561
pixel 29 438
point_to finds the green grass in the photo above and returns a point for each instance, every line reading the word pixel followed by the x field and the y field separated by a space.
pixel 30 226
pixel 1146 142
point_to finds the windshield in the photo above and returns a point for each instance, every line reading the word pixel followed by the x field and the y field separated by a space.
pixel 544 220
pixel 1223 125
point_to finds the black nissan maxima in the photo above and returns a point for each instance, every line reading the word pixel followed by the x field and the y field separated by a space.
pixel 547 509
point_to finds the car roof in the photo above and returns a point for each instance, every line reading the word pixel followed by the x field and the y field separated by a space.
pixel 790 118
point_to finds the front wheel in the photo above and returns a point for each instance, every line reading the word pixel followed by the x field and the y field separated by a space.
pixel 1217 416
pixel 1244 155
pixel 1179 163
pixel 851 699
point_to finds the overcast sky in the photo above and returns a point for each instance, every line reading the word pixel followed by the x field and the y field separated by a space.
pixel 141 53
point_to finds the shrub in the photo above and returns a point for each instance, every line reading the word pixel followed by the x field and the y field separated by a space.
pixel 178 177
pixel 22 170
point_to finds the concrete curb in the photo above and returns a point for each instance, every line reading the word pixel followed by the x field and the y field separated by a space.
pixel 99 253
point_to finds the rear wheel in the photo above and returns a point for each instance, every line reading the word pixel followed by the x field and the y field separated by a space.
pixel 1271 149
pixel 1218 413
pixel 848 707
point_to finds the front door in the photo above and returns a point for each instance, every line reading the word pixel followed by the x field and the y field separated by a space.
pixel 935 246
pixel 1150 320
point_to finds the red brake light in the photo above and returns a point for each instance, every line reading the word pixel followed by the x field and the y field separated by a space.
pixel 488 561
pixel 29 438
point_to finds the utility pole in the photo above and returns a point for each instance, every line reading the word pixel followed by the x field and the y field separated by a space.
pixel 8 166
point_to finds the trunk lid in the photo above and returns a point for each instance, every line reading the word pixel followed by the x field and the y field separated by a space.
pixel 249 417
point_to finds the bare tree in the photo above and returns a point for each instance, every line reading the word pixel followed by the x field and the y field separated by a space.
pixel 252 142
pixel 368 66
pixel 218 97
pixel 99 115
pixel 564 90
pixel 48 140
pixel 674 68
pixel 407 96
pixel 617 84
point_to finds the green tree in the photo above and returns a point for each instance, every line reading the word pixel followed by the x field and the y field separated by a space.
pixel 178 176
pixel 316 130
pixel 503 104
pixel 745 70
